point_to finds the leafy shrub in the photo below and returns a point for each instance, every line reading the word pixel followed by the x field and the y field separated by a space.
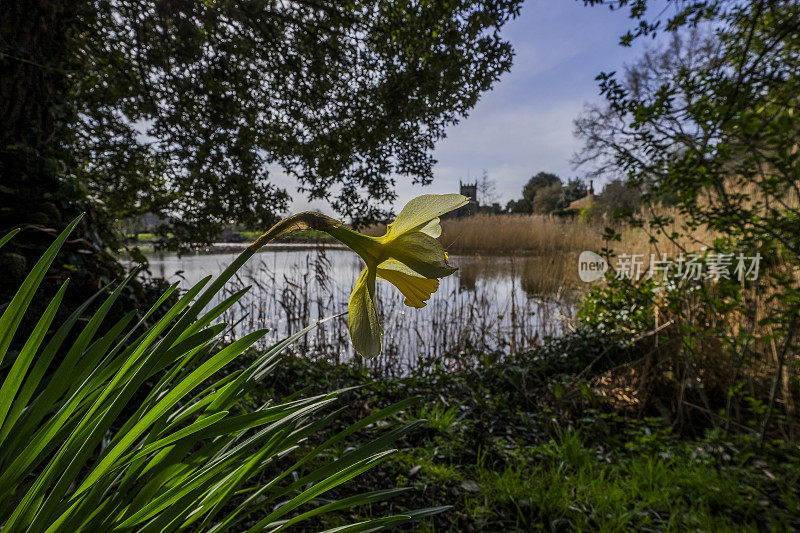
pixel 620 308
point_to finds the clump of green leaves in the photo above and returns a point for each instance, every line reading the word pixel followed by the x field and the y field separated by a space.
pixel 619 308
pixel 110 427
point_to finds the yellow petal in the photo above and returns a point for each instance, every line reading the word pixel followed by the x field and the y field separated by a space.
pixel 362 317
pixel 414 287
pixel 421 253
pixel 431 228
pixel 423 209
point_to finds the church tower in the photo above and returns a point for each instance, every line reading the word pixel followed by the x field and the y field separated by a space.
pixel 470 190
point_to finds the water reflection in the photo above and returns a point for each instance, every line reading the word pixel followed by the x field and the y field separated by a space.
pixel 492 304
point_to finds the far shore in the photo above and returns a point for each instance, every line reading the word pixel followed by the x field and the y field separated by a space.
pixel 507 234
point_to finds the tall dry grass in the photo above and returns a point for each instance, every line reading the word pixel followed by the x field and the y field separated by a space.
pixel 546 235
pixel 519 233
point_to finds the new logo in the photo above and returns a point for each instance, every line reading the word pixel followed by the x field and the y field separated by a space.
pixel 591 266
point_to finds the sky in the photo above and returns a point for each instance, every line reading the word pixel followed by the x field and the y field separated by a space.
pixel 524 125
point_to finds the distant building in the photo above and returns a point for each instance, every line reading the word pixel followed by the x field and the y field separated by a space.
pixel 470 190
pixel 586 201
pixel 493 209
pixel 149 221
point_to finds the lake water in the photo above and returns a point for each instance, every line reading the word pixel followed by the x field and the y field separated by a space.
pixel 493 305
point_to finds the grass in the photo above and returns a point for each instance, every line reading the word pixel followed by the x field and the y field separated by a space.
pixel 509 456
pixel 307 235
pixel 568 485
pixel 145 237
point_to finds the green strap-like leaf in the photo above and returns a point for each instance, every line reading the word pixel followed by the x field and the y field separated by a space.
pixel 8 236
pixel 346 503
pixel 194 379
pixel 337 478
pixel 12 316
pixel 15 376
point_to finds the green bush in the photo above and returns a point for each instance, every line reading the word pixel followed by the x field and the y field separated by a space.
pixel 140 428
pixel 620 308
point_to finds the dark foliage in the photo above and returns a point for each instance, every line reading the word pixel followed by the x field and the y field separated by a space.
pixel 708 124
pixel 205 112
pixel 513 445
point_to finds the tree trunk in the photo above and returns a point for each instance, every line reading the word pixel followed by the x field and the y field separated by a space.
pixel 37 57
pixel 33 41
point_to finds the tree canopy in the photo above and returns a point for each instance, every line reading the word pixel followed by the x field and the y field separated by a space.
pixel 574 189
pixel 208 113
pixel 205 112
pixel 538 182
pixel 709 121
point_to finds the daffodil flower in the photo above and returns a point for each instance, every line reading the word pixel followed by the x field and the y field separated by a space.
pixel 408 256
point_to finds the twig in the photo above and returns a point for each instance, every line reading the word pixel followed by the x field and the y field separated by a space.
pixel 778 374
pixel 634 340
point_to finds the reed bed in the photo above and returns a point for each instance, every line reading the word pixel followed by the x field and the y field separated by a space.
pixel 519 233
pixel 542 235
pixel 520 285
pixel 488 308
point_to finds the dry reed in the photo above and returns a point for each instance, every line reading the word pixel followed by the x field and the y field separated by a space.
pixel 519 233
pixel 543 235
pixel 488 308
